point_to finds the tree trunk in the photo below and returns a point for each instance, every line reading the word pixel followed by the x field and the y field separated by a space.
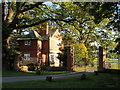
pixel 5 50
pixel 16 62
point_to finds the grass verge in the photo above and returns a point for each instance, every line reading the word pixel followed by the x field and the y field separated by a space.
pixel 103 80
pixel 30 73
pixel 115 66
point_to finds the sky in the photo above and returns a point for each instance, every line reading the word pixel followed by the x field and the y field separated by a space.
pixel 48 3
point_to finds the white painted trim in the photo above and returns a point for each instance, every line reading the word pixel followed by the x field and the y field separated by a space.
pixel 56 40
pixel 54 51
pixel 56 60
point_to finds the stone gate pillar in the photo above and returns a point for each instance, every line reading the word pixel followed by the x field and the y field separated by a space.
pixel 101 60
pixel 16 62
pixel 70 58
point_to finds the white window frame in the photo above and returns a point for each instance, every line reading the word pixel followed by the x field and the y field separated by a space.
pixel 52 58
pixel 27 42
pixel 58 44
pixel 26 56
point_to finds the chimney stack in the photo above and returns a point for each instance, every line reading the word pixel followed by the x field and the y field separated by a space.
pixel 47 27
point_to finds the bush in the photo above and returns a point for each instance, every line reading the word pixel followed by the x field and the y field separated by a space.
pixel 38 72
pixel 31 67
pixel 56 68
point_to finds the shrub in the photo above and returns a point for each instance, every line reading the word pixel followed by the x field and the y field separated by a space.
pixel 31 67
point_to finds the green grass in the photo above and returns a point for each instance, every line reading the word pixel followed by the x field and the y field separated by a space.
pixel 30 73
pixel 108 60
pixel 80 69
pixel 103 80
pixel 115 66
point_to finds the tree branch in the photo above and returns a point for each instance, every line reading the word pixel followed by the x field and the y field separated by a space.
pixel 52 11
pixel 59 19
pixel 30 25
pixel 15 20
pixel 31 7
pixel 3 11
pixel 23 4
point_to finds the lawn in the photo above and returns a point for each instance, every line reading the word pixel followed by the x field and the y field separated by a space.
pixel 115 66
pixel 108 60
pixel 33 73
pixel 83 68
pixel 103 80
pixel 30 73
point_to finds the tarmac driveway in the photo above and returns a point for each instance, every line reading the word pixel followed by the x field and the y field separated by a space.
pixel 26 78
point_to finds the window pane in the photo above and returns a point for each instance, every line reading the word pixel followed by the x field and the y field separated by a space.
pixel 52 59
pixel 27 56
pixel 27 42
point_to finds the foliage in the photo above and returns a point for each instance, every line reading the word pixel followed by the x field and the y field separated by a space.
pixel 81 54
pixel 87 27
pixel 117 48
pixel 63 56
pixel 88 22
pixel 22 15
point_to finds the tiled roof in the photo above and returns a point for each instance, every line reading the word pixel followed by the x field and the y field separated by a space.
pixel 31 35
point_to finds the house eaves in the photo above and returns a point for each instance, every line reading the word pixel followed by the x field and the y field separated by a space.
pixel 45 37
pixel 31 36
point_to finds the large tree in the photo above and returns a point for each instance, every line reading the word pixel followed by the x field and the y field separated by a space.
pixel 95 23
pixel 81 18
pixel 20 15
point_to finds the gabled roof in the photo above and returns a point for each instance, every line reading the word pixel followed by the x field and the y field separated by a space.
pixel 31 35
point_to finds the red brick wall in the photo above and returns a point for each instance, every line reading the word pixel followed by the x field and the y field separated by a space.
pixel 39 48
pixel 42 32
pixel 45 48
pixel 70 58
pixel 32 49
pixel 45 45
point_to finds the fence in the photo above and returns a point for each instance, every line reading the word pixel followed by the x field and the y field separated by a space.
pixel 112 63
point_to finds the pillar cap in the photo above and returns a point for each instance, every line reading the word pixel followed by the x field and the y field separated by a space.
pixel 17 54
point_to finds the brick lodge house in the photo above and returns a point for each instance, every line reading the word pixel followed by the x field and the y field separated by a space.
pixel 41 47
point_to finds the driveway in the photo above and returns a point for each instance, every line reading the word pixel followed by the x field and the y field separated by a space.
pixel 57 76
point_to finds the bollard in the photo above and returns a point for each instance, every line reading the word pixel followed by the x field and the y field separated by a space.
pixel 96 73
pixel 38 72
pixel 83 77
pixel 49 78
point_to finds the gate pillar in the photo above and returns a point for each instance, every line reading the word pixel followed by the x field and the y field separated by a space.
pixel 101 60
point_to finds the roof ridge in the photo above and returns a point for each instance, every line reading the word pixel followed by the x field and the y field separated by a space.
pixel 32 35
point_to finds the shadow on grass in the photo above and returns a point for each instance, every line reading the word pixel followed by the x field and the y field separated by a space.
pixel 30 73
pixel 103 80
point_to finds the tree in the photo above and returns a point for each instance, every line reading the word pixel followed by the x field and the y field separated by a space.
pixel 79 18
pixel 68 42
pixel 92 24
pixel 109 10
pixel 21 15
pixel 13 17
pixel 81 54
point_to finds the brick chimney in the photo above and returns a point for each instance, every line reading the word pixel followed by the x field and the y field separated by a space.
pixel 47 27
pixel 44 31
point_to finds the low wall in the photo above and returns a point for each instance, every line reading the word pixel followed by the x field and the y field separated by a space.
pixel 117 71
pixel 54 68
pixel 32 60
pixel 114 71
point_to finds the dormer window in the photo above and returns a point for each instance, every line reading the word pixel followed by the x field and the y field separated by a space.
pixel 27 42
pixel 25 32
pixel 57 44
pixel 26 56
